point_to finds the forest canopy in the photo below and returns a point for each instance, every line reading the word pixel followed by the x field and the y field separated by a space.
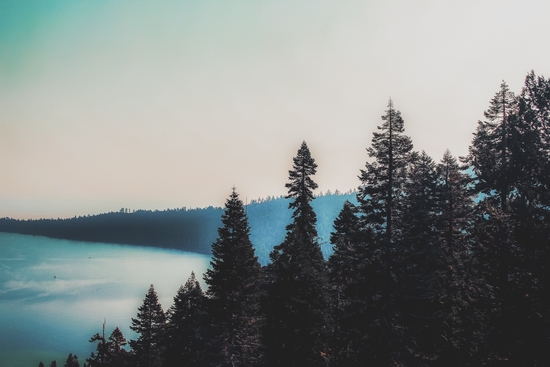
pixel 437 262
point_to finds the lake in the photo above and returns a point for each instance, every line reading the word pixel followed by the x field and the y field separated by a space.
pixel 55 294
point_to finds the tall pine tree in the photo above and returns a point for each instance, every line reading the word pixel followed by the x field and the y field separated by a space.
pixel 507 157
pixel 351 277
pixel 416 263
pixel 380 199
pixel 234 284
pixel 186 337
pixel 489 155
pixel 296 306
pixel 149 325
pixel 461 288
pixel 118 356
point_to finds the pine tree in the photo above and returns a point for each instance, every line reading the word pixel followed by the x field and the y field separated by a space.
pixel 382 180
pixel 109 353
pixel 234 282
pixel 380 199
pixel 117 355
pixel 462 290
pixel 489 154
pixel 350 282
pixel 415 263
pixel 99 359
pixel 72 361
pixel 53 364
pixel 507 156
pixel 41 364
pixel 149 325
pixel 529 222
pixel 490 160
pixel 186 335
pixel 296 305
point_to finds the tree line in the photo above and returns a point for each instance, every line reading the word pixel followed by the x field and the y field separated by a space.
pixel 183 229
pixel 435 264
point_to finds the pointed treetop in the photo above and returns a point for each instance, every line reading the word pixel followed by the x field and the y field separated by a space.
pixel 301 185
pixel 501 105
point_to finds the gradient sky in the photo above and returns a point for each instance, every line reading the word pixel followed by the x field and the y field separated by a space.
pixel 167 104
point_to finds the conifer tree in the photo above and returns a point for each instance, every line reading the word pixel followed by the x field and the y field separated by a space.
pixel 72 361
pixel 296 306
pixel 350 282
pixel 382 180
pixel 345 238
pixel 186 337
pixel 234 283
pixel 109 352
pixel 53 364
pixel 489 155
pixel 149 325
pixel 529 222
pixel 491 160
pixel 101 358
pixel 456 202
pixel 380 199
pixel 507 157
pixel 461 289
pixel 117 355
pixel 415 262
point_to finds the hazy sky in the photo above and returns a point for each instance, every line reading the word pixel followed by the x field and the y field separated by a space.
pixel 164 104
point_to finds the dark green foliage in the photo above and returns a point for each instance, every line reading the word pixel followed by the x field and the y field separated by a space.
pixel 186 337
pixel 41 364
pixel 416 264
pixel 183 229
pixel 72 361
pixel 351 279
pixel 381 203
pixel 111 352
pixel 53 364
pixel 118 356
pixel 489 155
pixel 234 284
pixel 512 224
pixel 149 325
pixel 455 202
pixel 189 230
pixel 296 305
pixel 461 289
pixel 382 180
pixel 101 356
pixel 436 265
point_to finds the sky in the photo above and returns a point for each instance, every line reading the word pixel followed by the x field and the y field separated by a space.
pixel 166 104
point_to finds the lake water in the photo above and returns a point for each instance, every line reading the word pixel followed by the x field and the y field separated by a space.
pixel 55 294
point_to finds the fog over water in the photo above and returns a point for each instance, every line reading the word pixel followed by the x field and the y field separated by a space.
pixel 55 294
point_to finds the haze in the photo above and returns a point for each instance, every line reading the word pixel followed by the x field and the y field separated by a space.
pixel 154 105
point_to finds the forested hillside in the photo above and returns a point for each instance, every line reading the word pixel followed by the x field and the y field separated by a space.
pixel 437 263
pixel 184 229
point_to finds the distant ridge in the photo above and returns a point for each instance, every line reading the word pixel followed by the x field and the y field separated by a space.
pixel 184 229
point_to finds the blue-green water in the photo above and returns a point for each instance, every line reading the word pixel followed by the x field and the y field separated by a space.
pixel 55 294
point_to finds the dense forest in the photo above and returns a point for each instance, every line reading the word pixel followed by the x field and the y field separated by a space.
pixel 436 263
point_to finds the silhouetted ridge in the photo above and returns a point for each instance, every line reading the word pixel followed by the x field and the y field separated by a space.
pixel 184 229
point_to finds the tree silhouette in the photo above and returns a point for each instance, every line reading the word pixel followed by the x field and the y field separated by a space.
pixel 296 306
pixel 380 198
pixel 234 283
pixel 149 325
pixel 186 337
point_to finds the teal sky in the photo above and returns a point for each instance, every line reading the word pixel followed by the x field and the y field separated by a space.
pixel 164 104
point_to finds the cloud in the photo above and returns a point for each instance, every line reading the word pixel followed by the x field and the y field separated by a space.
pixel 39 291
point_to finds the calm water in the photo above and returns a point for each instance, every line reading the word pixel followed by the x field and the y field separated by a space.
pixel 55 294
